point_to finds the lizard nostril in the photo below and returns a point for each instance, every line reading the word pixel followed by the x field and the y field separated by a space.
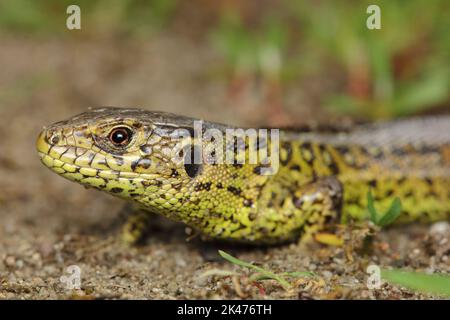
pixel 53 137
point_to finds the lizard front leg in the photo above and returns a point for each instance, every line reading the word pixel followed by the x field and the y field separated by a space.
pixel 288 212
pixel 135 227
pixel 319 204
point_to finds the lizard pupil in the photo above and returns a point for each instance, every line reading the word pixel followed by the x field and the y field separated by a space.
pixel 120 136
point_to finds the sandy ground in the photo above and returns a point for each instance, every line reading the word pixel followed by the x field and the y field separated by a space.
pixel 48 223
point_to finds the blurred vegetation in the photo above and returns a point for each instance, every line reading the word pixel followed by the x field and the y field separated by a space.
pixel 399 70
pixel 48 17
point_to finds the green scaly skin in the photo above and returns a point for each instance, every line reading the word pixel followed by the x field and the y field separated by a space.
pixel 323 177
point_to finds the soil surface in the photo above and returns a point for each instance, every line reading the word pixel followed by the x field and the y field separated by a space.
pixel 48 224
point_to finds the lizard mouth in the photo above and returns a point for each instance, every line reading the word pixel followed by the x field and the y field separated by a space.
pixel 88 167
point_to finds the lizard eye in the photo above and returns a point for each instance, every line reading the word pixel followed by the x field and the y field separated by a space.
pixel 120 136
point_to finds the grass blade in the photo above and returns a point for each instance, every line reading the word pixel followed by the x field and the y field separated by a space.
pixel 236 261
pixel 265 273
pixel 430 283
pixel 392 214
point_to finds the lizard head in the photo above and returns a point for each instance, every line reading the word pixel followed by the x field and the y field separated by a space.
pixel 125 152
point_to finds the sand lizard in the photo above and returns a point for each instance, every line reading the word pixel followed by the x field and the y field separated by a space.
pixel 323 177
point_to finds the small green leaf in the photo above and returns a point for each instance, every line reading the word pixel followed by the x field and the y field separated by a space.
pixel 383 219
pixel 392 214
pixel 430 283
pixel 237 261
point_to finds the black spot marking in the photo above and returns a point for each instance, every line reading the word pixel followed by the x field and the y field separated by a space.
pixel 202 186
pixel 431 194
pixel 399 151
pixel 134 164
pixel 295 167
pixel 234 190
pixel 424 149
pixel 207 186
pixel 298 202
pixel 257 170
pixel 116 190
pixel 248 202
pixel 192 170
pixel 333 167
pixel 219 186
pixel 174 173
pixel 342 150
pixel 429 181
pixel 286 146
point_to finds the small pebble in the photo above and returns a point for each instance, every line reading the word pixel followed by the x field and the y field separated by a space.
pixel 19 264
pixel 442 228
pixel 10 261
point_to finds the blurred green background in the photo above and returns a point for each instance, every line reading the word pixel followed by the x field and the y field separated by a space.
pixel 272 59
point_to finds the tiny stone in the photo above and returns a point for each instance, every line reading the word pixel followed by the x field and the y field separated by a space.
pixel 442 227
pixel 36 256
pixel 327 274
pixel 12 278
pixel 172 287
pixel 19 264
pixel 10 261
